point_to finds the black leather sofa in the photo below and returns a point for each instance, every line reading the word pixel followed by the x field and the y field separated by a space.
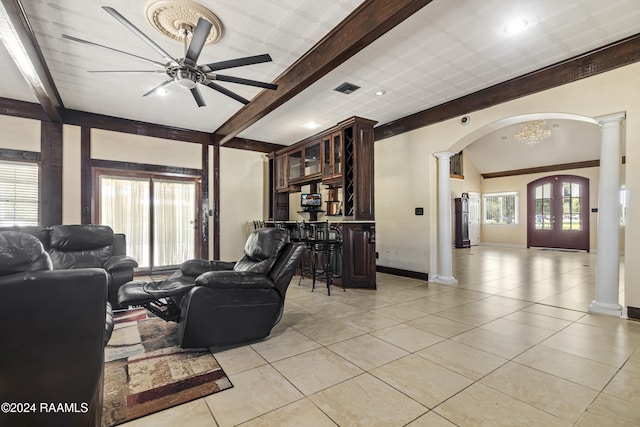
pixel 53 329
pixel 221 303
pixel 86 246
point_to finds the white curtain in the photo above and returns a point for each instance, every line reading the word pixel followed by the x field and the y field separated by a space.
pixel 174 226
pixel 124 205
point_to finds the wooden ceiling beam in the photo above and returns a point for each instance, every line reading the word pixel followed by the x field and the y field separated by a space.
pixel 363 26
pixel 19 39
pixel 135 127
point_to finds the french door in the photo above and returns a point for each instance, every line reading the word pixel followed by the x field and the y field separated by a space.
pixel 158 215
pixel 558 212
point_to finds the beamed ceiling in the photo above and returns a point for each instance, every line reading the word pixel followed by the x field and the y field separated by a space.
pixel 434 60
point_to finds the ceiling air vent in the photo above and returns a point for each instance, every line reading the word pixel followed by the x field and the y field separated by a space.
pixel 347 88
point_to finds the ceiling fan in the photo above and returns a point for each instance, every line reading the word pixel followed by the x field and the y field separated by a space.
pixel 186 72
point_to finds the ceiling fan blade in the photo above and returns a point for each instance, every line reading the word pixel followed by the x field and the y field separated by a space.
pixel 198 97
pixel 126 71
pixel 225 91
pixel 242 81
pixel 160 86
pixel 198 39
pixel 75 39
pixel 239 62
pixel 124 21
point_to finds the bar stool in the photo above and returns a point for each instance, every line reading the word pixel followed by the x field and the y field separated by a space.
pixel 327 251
pixel 304 234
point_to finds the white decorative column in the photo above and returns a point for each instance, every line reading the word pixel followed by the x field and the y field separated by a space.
pixel 608 257
pixel 445 265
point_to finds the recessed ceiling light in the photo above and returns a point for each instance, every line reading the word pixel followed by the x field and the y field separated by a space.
pixel 515 26
pixel 380 92
pixel 311 125
pixel 162 91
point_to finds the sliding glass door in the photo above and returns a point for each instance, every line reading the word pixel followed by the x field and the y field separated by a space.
pixel 174 225
pixel 158 214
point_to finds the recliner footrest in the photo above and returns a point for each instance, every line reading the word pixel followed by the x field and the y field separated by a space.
pixel 138 292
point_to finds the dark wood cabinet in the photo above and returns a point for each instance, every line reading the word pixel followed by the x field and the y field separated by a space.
pixel 338 157
pixel 312 160
pixel 280 206
pixel 281 174
pixel 294 160
pixel 305 163
pixel 358 169
pixel 332 158
pixel 461 219
pixel 359 255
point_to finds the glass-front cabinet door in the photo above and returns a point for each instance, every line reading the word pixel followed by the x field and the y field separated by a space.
pixel 281 172
pixel 312 162
pixel 295 165
pixel 332 156
pixel 337 153
pixel 327 157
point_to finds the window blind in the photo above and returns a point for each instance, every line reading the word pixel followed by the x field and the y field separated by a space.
pixel 19 193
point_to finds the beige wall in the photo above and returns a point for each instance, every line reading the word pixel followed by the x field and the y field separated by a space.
pixel 398 173
pixel 241 197
pixel 125 147
pixel 19 134
pixel 403 168
pixel 516 235
pixel 71 175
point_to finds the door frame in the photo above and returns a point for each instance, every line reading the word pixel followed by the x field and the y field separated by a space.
pixel 475 195
pixel 583 241
pixel 97 172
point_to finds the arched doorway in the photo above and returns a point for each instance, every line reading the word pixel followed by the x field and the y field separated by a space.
pixel 558 212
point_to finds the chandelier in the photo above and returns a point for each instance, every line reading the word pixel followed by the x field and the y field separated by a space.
pixel 534 132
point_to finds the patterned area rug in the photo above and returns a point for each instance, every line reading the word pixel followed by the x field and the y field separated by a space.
pixel 145 370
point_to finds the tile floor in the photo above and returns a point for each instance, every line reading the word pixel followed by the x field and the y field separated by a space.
pixel 510 345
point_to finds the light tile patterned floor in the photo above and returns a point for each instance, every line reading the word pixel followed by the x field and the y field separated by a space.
pixel 511 344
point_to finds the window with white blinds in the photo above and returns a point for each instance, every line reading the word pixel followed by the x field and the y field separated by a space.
pixel 19 193
pixel 500 208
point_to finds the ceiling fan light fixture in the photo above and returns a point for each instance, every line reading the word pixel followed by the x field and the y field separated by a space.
pixel 186 83
pixel 186 79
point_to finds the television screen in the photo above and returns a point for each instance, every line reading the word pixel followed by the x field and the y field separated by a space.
pixel 313 200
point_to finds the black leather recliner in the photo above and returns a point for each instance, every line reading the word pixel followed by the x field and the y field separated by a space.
pixel 53 329
pixel 86 246
pixel 221 303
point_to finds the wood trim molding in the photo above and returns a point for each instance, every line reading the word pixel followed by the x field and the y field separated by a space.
pixel 543 169
pixel 606 58
pixel 117 124
pixel 368 22
pixel 169 170
pixel 216 202
pixel 253 145
pixel 402 273
pixel 86 186
pixel 19 155
pixel 26 110
pixel 19 39
pixel 30 110
pixel 204 206
pixel 51 173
